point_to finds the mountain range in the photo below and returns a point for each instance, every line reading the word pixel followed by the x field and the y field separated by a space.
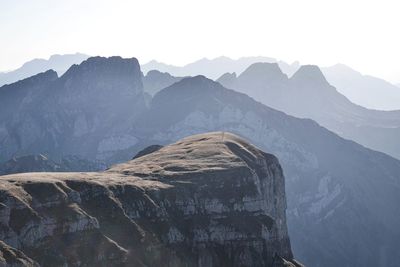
pixel 364 90
pixel 307 94
pixel 341 197
pixel 58 63
pixel 214 68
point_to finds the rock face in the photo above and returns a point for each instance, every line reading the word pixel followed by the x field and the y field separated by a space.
pixel 207 200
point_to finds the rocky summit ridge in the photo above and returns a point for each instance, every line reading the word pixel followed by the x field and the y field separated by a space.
pixel 207 200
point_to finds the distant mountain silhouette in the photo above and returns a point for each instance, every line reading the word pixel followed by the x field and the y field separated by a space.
pixel 58 63
pixel 214 68
pixel 364 90
pixel 307 94
pixel 155 80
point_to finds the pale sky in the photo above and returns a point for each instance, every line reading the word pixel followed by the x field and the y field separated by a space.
pixel 362 34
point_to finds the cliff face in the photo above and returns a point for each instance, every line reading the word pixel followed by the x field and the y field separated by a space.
pixel 207 200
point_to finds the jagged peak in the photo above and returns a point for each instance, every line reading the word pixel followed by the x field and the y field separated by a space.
pixel 309 74
pixel 227 79
pixel 228 75
pixel 263 69
pixel 98 63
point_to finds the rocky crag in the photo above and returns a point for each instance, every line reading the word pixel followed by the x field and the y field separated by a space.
pixel 207 200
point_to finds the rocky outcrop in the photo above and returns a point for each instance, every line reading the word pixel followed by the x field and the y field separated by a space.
pixel 207 200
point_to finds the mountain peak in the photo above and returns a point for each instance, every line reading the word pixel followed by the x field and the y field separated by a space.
pixel 195 81
pixel 227 79
pixel 157 73
pixel 309 74
pixel 187 87
pixel 104 66
pixel 268 72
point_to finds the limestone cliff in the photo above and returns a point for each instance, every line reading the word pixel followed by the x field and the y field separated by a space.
pixel 207 200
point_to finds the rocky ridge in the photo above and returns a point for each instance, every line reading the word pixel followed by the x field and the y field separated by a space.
pixel 207 200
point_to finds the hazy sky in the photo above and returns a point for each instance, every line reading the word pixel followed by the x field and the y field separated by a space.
pixel 362 34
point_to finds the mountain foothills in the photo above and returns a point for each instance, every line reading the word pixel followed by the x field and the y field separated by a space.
pixel 307 94
pixel 207 200
pixel 342 198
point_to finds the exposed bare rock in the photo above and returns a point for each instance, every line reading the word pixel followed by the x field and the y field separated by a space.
pixel 207 200
pixel 14 258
